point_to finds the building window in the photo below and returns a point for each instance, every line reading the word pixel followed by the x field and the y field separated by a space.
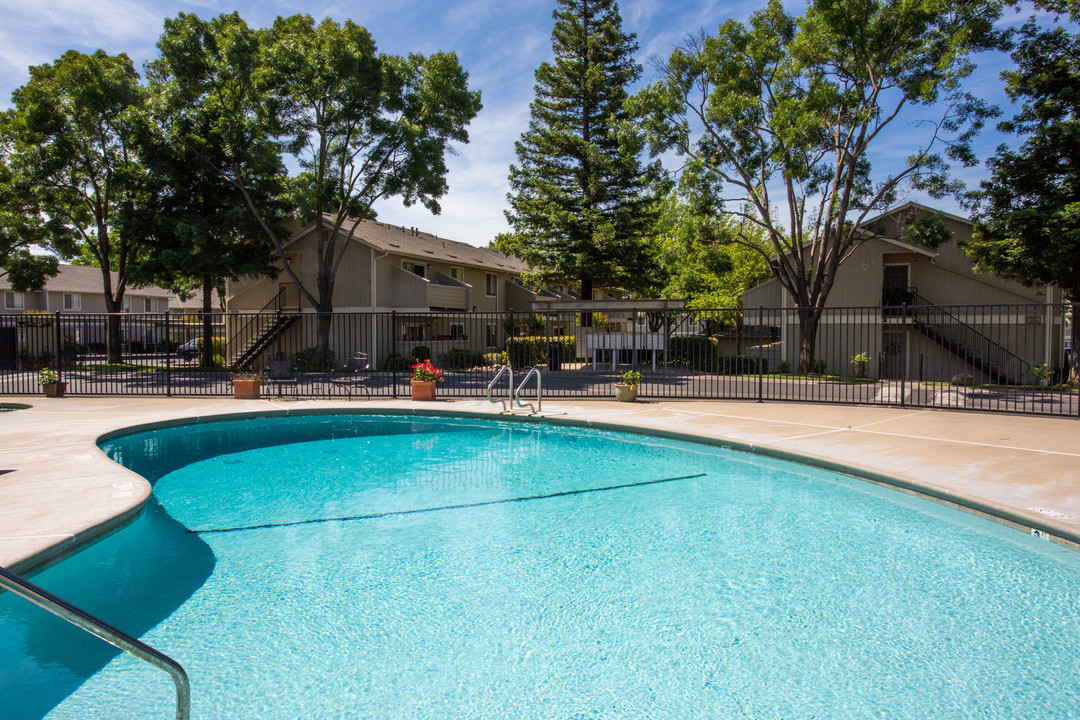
pixel 72 301
pixel 491 285
pixel 150 305
pixel 492 335
pixel 457 331
pixel 458 274
pixel 13 301
pixel 414 268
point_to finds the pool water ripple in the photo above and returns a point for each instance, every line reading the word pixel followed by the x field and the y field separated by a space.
pixel 761 589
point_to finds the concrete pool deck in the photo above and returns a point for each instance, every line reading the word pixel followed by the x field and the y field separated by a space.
pixel 58 491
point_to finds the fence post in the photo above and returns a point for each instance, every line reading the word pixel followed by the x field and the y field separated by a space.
pixel 904 349
pixel 59 349
pixel 393 354
pixel 168 355
pixel 760 382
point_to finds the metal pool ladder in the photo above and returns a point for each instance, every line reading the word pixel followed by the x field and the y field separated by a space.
pixel 517 392
pixel 510 391
pixel 47 601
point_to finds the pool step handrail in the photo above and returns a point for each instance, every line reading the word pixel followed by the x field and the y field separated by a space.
pixel 510 390
pixel 539 391
pixel 65 610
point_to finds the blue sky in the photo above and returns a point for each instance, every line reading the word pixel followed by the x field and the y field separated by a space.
pixel 500 43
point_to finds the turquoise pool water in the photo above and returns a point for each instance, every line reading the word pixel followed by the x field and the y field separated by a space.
pixel 392 567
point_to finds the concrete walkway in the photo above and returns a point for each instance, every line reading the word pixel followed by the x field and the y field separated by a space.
pixel 58 491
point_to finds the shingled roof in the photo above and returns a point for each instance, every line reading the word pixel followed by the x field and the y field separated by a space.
pixel 413 242
pixel 87 279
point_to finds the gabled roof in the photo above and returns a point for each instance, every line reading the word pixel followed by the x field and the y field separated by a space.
pixel 912 205
pixel 415 243
pixel 87 279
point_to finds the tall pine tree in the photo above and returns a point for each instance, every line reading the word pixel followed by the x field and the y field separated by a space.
pixel 579 201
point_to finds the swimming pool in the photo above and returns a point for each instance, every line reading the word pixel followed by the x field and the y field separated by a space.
pixel 393 567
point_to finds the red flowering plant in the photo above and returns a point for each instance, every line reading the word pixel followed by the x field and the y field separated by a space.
pixel 422 371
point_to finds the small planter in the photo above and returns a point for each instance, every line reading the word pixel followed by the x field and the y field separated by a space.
pixel 247 389
pixel 56 389
pixel 625 393
pixel 423 389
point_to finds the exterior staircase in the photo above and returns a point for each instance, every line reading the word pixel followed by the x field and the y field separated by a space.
pixel 999 364
pixel 256 336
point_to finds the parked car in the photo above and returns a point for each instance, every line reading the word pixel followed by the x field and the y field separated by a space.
pixel 188 351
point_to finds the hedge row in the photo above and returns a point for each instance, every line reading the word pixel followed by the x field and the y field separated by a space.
pixel 702 353
pixel 529 351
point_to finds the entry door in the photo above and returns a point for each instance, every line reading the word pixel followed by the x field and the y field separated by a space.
pixel 894 284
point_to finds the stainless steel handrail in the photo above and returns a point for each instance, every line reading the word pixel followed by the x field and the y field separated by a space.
pixel 47 601
pixel 510 390
pixel 539 392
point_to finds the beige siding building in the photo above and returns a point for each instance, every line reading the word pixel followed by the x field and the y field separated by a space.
pixel 387 268
pixel 1005 327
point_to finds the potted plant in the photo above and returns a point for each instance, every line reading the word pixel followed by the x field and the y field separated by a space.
pixel 246 384
pixel 860 363
pixel 423 380
pixel 626 391
pixel 1045 374
pixel 49 380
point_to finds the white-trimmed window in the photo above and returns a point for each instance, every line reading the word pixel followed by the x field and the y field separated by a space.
pixel 414 268
pixel 72 301
pixel 458 273
pixel 125 304
pixel 151 305
pixel 491 284
pixel 14 300
pixel 492 335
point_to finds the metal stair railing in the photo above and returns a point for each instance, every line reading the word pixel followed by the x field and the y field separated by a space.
pixel 964 341
pixel 65 610
pixel 261 330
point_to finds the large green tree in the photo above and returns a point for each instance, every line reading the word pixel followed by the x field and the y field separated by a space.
pixel 363 127
pixel 205 233
pixel 74 129
pixel 1027 214
pixel 21 228
pixel 779 116
pixel 579 202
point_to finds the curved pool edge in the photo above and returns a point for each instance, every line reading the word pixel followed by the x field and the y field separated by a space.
pixel 48 544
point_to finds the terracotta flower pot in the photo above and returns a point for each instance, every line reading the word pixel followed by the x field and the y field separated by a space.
pixel 423 389
pixel 56 389
pixel 246 389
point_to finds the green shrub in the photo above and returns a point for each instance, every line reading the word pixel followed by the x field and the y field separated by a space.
pixel 701 353
pixel 217 346
pixel 496 358
pixel 819 367
pixel 399 363
pixel 785 367
pixel 421 352
pixel 459 359
pixel 528 351
pixel 137 346
pixel 305 360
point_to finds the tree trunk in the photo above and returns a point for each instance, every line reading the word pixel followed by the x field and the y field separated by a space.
pixel 808 327
pixel 113 336
pixel 207 359
pixel 322 338
pixel 738 332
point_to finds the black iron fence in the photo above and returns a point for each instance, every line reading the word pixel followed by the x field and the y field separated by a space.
pixel 1011 358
